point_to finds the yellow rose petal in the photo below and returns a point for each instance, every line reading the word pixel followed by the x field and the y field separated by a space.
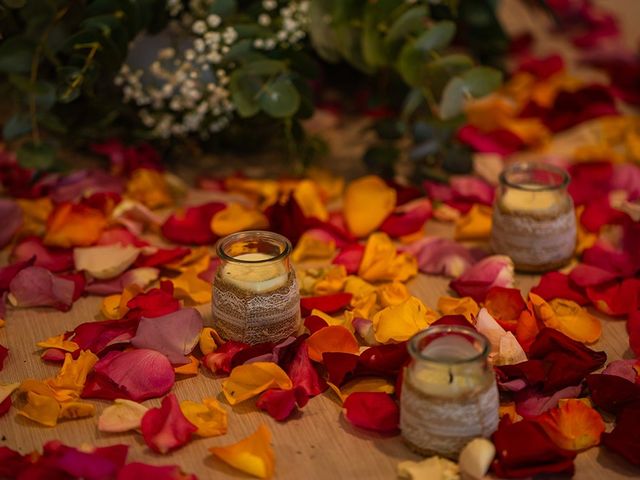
pixel 208 416
pixel 253 455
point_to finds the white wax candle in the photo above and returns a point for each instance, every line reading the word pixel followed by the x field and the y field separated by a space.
pixel 517 200
pixel 441 380
pixel 256 277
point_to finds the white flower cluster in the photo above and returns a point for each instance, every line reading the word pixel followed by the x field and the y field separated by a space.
pixel 185 90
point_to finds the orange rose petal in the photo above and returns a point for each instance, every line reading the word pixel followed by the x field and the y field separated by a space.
pixel 253 455
pixel 466 306
pixel 72 225
pixel 34 215
pixel 362 384
pixel 150 188
pixel 58 342
pixel 209 340
pixel 189 286
pixel 307 195
pixel 331 339
pixel 251 379
pixel 574 321
pixel 526 329
pixel 237 218
pixel 41 409
pixel 311 247
pixel 475 225
pixel 190 368
pixel 392 293
pixel 367 202
pixel 208 416
pixel 573 425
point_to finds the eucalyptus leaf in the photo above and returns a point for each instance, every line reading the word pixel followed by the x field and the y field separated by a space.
pixel 15 55
pixel 17 125
pixel 436 74
pixel 244 92
pixel 474 83
pixel 279 98
pixel 263 67
pixel 39 156
pixel 411 21
pixel 437 37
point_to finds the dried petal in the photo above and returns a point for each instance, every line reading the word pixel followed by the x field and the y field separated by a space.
pixel 166 428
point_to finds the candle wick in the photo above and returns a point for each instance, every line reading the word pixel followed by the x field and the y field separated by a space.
pixel 450 377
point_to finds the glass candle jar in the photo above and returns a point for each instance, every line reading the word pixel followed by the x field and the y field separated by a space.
pixel 255 293
pixel 534 221
pixel 449 393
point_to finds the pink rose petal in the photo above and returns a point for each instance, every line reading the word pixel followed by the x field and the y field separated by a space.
pixel 166 428
pixel 98 464
pixel 442 256
pixel 51 258
pixel 38 287
pixel 11 216
pixel 622 368
pixel 584 275
pixel 120 236
pixel 530 403
pixel 136 374
pixel 477 280
pixel 175 334
pixel 219 361
pixel 8 273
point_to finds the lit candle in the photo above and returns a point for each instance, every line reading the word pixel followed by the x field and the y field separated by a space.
pixel 531 200
pixel 255 277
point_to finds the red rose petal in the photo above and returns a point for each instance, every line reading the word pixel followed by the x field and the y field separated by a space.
pixel 280 404
pixel 99 464
pixel 504 304
pixel 96 336
pixel 287 219
pixel 192 227
pixel 252 352
pixel 350 256
pixel 618 262
pixel 12 463
pixel 219 361
pixel 304 375
pixel 503 142
pixel 477 280
pixel 4 353
pixel 558 285
pixel 612 393
pixel 599 213
pixel 313 323
pixel 567 361
pixel 8 273
pixel 161 257
pixel 542 67
pixel 584 275
pixel 616 298
pixel 590 180
pixel 459 320
pixel 384 359
pixel 325 303
pixel 408 218
pixel 5 406
pixel 154 303
pixel 633 327
pixel 375 411
pixel 622 368
pixel 624 439
pixel 532 372
pixel 339 365
pixel 523 449
pixel 166 428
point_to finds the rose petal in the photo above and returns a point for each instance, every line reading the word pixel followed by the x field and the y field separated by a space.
pixel 326 303
pixel 8 273
pixel 313 244
pixel 333 338
pixel 162 256
pixel 38 287
pixel 408 218
pixel 122 416
pixel 612 393
pixel 633 327
pixel 96 336
pixel 372 411
pixel 400 322
pixel 154 303
pixel 368 201
pixel 141 277
pixel 287 219
pixel 363 384
pixel 11 215
pixel 623 369
pixel 475 224
pixel 441 256
pixel 303 374
pixel 175 334
pixel 588 276
pixel 523 449
pixel 351 257
pixel 504 304
pixel 106 261
pixel 381 261
pixel 531 404
pixel 193 225
pixel 4 353
pixel 249 380
pixel 71 225
pixel 135 374
pixel 280 404
pixel 253 455
pixel 623 439
pixel 573 425
pixel 237 218
pixel 476 281
pixel 559 285
pixel 616 298
pixel 53 259
pixel 219 361
pixel 166 428
pixel 618 262
pixel 208 416
pixel 500 141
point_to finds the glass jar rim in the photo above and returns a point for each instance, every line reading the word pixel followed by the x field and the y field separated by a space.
pixel 416 352
pixel 528 166
pixel 253 235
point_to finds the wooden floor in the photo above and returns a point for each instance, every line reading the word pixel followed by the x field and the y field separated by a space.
pixel 318 443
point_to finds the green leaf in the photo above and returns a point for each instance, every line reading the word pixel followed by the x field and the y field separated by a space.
pixel 408 64
pixel 44 91
pixel 15 55
pixel 438 36
pixel 263 67
pixel 280 98
pixel 244 92
pixel 477 82
pixel 411 21
pixel 66 77
pixel 436 74
pixel 16 126
pixel 52 122
pixel 224 8
pixel 373 46
pixel 39 156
